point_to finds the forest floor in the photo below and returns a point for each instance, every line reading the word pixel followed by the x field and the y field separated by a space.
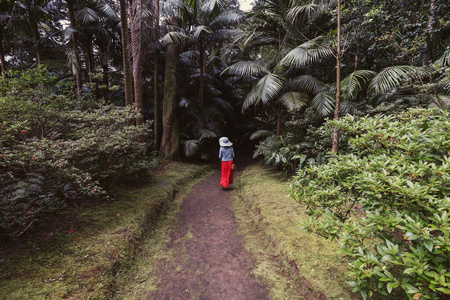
pixel 203 243
pixel 208 247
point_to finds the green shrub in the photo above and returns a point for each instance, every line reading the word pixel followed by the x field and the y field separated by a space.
pixel 387 202
pixel 57 149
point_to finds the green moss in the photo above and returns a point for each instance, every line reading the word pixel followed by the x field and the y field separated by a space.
pixel 84 259
pixel 263 200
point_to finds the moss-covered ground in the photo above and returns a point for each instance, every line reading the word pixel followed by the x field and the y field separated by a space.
pixel 94 251
pixel 313 262
pixel 83 250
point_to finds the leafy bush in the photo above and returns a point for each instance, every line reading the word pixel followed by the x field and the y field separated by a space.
pixel 56 149
pixel 280 152
pixel 387 202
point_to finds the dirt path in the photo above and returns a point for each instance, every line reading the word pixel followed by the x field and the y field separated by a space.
pixel 203 257
pixel 217 266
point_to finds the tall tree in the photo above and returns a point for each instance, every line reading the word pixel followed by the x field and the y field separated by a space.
pixel 156 82
pixel 335 145
pixel 128 80
pixel 170 142
pixel 76 60
pixel 136 46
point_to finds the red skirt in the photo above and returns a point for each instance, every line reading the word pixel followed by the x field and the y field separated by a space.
pixel 227 174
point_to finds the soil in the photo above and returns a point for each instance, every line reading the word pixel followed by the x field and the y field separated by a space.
pixel 212 262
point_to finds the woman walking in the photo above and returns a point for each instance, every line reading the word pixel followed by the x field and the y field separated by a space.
pixel 226 154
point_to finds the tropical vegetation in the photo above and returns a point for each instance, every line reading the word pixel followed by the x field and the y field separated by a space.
pixel 349 97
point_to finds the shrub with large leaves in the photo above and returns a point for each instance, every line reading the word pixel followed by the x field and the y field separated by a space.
pixel 387 202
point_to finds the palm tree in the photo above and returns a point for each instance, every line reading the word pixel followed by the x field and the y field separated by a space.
pixel 211 23
pixel 29 17
pixel 128 80
pixel 76 68
pixel 337 110
pixel 137 53
pixel 156 81
pixel 170 119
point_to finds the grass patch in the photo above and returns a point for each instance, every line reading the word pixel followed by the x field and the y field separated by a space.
pixel 82 252
pixel 311 260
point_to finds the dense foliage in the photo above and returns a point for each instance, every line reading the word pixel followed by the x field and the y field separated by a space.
pixel 387 202
pixel 57 150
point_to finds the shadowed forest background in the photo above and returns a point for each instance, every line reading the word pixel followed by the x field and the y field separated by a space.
pixel 348 99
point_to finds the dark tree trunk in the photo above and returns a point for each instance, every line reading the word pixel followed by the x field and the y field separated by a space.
pixel 171 134
pixel 429 38
pixel 136 42
pixel 335 146
pixel 37 39
pixel 128 80
pixel 90 58
pixel 75 48
pixel 156 84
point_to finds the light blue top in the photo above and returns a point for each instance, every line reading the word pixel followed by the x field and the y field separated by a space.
pixel 226 153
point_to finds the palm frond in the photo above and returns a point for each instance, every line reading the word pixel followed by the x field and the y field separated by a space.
pixel 108 11
pixel 306 83
pixel 197 31
pixel 209 5
pixel 87 15
pixel 257 39
pixel 354 82
pixel 207 134
pixel 174 37
pixel 245 68
pixel 390 78
pixel 226 19
pixel 260 134
pixel 293 100
pixel 301 13
pixel 323 103
pixel 265 90
pixel 444 60
pixel 191 54
pixel 191 147
pixel 227 33
pixel 444 86
pixel 225 105
pixel 302 56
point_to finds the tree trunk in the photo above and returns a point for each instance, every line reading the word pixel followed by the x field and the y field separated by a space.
pixel 136 42
pixel 90 59
pixel 429 38
pixel 128 80
pixel 171 134
pixel 335 146
pixel 156 84
pixel 2 53
pixel 75 48
pixel 37 39
pixel 202 72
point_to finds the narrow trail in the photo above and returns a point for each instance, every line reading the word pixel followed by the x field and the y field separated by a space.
pixel 204 257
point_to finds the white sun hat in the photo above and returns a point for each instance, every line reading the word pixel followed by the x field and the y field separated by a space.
pixel 225 142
